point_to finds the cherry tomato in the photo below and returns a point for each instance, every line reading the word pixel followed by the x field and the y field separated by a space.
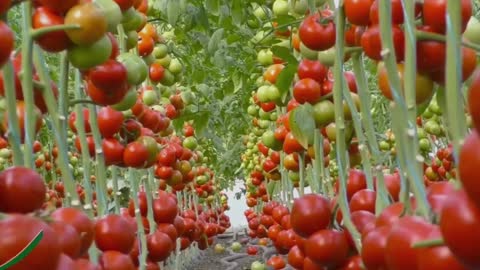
pixel 109 121
pixel 92 22
pixel 68 238
pixel 373 248
pixel 473 99
pixel 276 262
pixel 7 42
pixel 124 4
pixel 101 97
pixel 22 190
pixel 159 246
pixel 164 208
pixel 307 90
pixel 311 29
pixel 363 200
pixel 114 260
pixel 328 248
pixel 156 72
pixel 114 232
pixel 145 45
pixel 396 15
pixel 21 119
pixel 135 155
pixel 80 221
pixel 372 44
pixel 72 121
pixel 312 70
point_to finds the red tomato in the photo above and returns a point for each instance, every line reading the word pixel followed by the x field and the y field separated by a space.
pixel 114 232
pixel 60 6
pixel 72 119
pixel 277 262
pixel 310 213
pixel 68 238
pixel 124 4
pixel 403 234
pixel 22 190
pixel 328 248
pixel 473 102
pixel 373 248
pixel 313 70
pixel 291 145
pixel 135 155
pixel 109 76
pixel 115 46
pixel 109 121
pixel 296 257
pixel 434 14
pixel 4 6
pixel 114 260
pixel 164 208
pixel 468 167
pixel 311 29
pixel 372 43
pixel 252 250
pixel 56 41
pixel 17 231
pixel 7 42
pixel 363 200
pixel 396 15
pixel 80 221
pixel 104 98
pixel 145 45
pixel 459 219
pixel 358 11
pixel 353 263
pixel 156 72
pixel 307 90
pixel 362 220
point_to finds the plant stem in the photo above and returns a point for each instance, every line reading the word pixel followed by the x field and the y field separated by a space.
pixel 423 35
pixel 149 192
pixel 114 170
pixel 27 84
pixel 301 172
pixel 340 124
pixel 429 243
pixel 455 106
pixel 13 126
pixel 63 95
pixel 37 33
pixel 141 230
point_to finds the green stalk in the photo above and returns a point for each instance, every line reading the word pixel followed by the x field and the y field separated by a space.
pixel 49 29
pixel 404 130
pixel 101 182
pixel 13 126
pixel 340 124
pixel 61 141
pixel 149 192
pixel 63 95
pixel 301 172
pixel 318 162
pixel 134 183
pixel 455 106
pixel 27 84
pixel 79 125
pixel 114 170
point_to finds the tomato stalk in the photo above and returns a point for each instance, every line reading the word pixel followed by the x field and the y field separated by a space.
pixel 121 38
pixel 455 105
pixel 81 133
pixel 148 191
pixel 340 124
pixel 49 29
pixel 301 172
pixel 116 192
pixel 13 126
pixel 424 35
pixel 47 93
pixel 63 95
pixel 318 162
pixel 134 183
pixel 27 84
pixel 405 131
pixel 100 172
pixel 429 243
pixel 80 101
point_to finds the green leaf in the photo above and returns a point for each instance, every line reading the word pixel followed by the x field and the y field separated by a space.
pixel 284 19
pixel 212 6
pixel 202 18
pixel 237 11
pixel 285 79
pixel 215 40
pixel 285 54
pixel 302 124
pixel 173 11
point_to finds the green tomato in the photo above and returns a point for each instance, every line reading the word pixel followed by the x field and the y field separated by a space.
pixel 308 53
pixel 188 97
pixel 273 116
pixel 236 246
pixel 152 147
pixel 190 143
pixel 273 93
pixel 132 39
pixel 263 123
pixel 150 97
pixel 127 102
pixel 427 114
pixel 175 66
pixel 160 51
pixel 86 57
pixel 324 113
pixel 132 20
pixel 149 59
pixel 168 78
pixel 472 33
pixel 280 8
pixel 165 61
pixel 262 93
pixel 435 108
pixel 5 153
pixel 260 13
pixel 327 57
pixel 264 115
pixel 201 180
pixel 265 57
pixel 256 265
pixel 112 12
pixel 421 133
pixel 384 146
pixel 299 7
pixel 294 176
pixel 424 145
pixel 432 127
pixel 252 110
pixel 137 70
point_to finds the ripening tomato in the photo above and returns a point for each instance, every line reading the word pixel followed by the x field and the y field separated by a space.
pixel 145 45
pixel 372 43
pixel 22 190
pixel 358 11
pixel 423 85
pixel 290 144
pixel 310 213
pixel 307 91
pixel 435 11
pixel 311 28
pixel 156 72
pixel 272 73
pixel 7 42
pixel 56 41
pixel 92 22
pixel 109 76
